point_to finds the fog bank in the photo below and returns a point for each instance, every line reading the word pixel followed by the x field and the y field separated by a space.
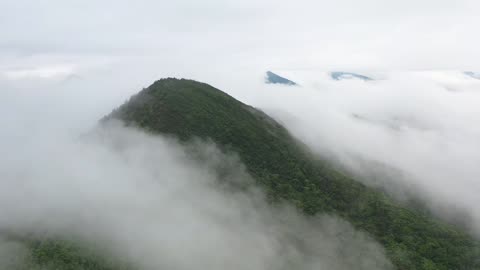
pixel 409 133
pixel 156 203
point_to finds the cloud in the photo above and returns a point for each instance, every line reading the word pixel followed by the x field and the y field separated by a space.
pixel 410 133
pixel 41 72
pixel 418 128
pixel 373 34
pixel 157 203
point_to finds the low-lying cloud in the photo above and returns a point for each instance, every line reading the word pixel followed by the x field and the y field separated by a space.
pixel 414 134
pixel 156 203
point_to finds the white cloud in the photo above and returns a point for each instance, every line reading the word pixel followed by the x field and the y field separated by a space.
pixel 370 34
pixel 47 72
pixel 118 47
pixel 420 125
pixel 147 200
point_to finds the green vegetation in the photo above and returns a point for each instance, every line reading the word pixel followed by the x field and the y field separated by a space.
pixel 39 254
pixel 68 256
pixel 287 171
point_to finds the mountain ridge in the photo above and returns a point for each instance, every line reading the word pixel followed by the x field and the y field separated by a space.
pixel 284 168
pixel 281 165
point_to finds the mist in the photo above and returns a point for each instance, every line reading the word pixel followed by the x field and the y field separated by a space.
pixel 153 202
pixel 412 134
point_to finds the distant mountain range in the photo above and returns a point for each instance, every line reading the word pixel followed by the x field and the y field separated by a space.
pixel 340 75
pixel 273 78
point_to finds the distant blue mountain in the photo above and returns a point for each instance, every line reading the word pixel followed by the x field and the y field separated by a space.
pixel 340 75
pixel 472 74
pixel 276 79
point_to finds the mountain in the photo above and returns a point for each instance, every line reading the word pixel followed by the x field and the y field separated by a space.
pixel 286 171
pixel 277 79
pixel 472 74
pixel 340 75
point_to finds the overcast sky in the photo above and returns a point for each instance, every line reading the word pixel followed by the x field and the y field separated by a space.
pixel 45 38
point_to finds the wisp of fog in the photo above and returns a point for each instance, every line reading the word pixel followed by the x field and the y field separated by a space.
pixel 413 134
pixel 155 203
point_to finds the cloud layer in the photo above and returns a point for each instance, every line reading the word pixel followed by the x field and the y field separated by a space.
pixel 157 204
pixel 408 133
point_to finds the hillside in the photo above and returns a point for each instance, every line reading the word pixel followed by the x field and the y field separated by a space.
pixel 284 168
pixel 188 109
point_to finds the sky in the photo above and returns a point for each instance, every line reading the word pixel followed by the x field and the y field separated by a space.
pixel 57 38
pixel 111 49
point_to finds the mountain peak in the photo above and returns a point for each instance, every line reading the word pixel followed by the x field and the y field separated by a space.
pixel 286 171
pixel 273 78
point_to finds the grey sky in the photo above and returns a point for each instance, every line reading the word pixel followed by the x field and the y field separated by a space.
pixel 369 34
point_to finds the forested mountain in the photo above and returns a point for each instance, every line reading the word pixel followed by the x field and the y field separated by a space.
pixel 286 170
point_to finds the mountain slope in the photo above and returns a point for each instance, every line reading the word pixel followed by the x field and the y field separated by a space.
pixel 189 109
